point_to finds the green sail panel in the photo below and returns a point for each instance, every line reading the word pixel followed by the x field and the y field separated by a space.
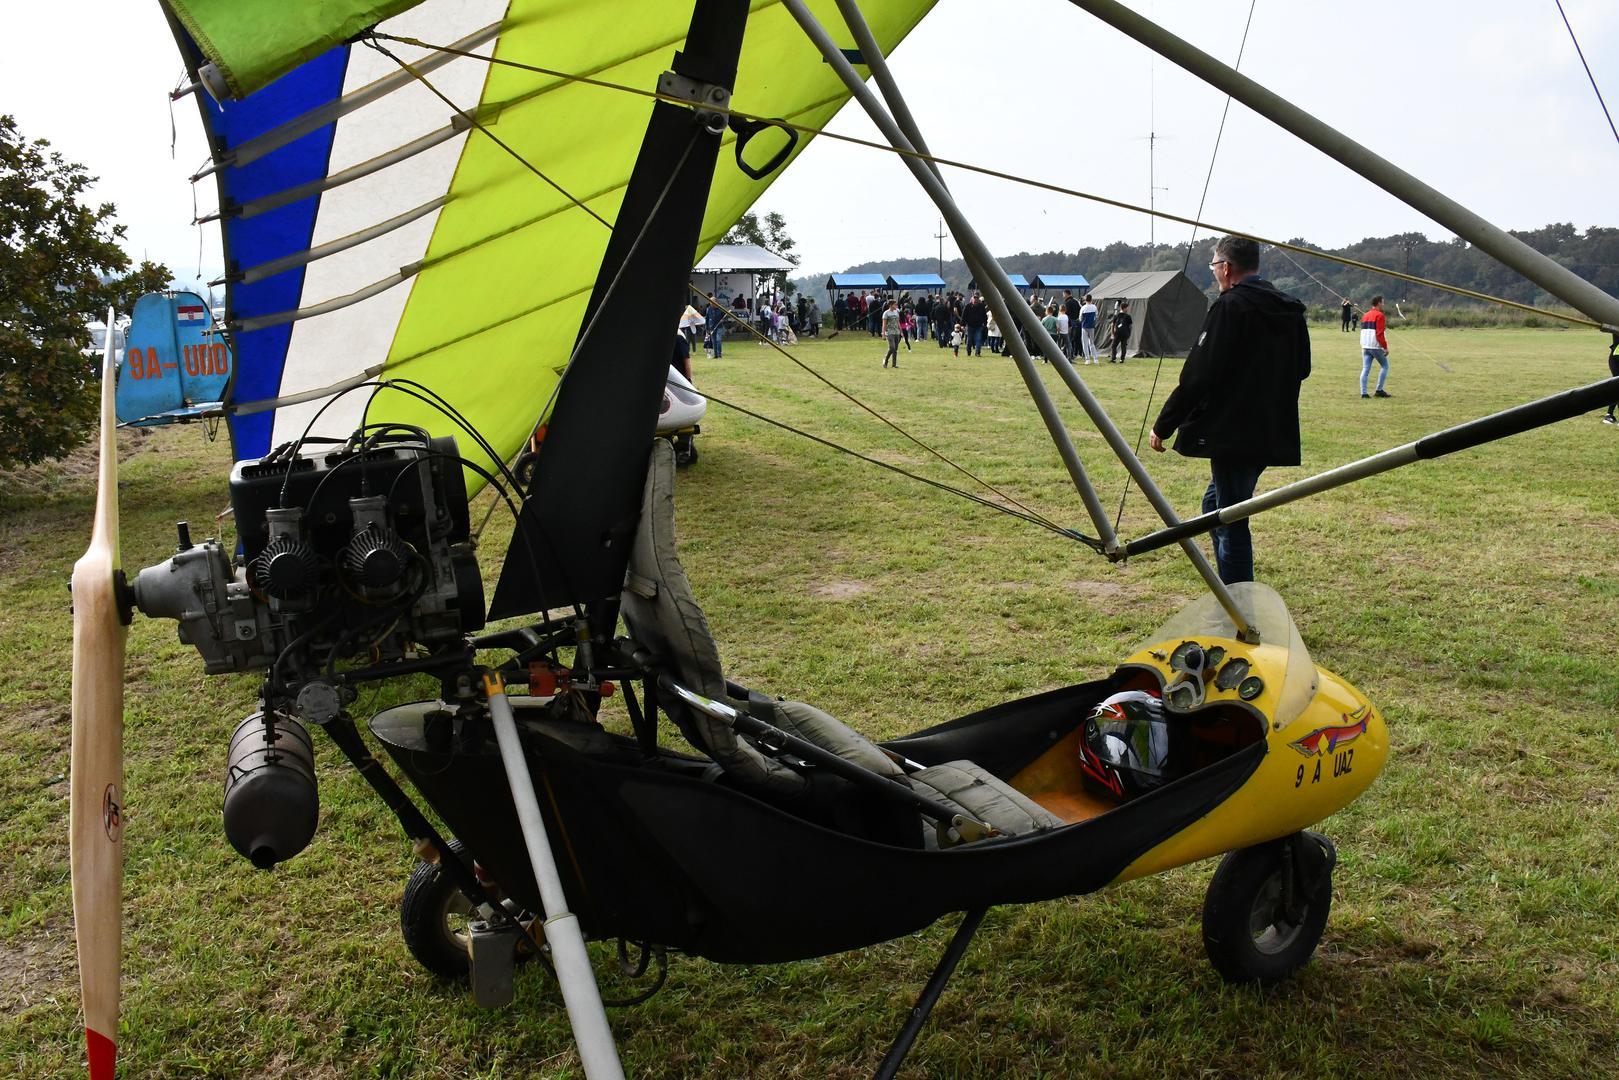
pixel 253 43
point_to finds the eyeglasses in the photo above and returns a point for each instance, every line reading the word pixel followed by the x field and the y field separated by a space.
pixel 1219 262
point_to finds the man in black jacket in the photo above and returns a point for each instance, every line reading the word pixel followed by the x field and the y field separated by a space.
pixel 942 322
pixel 1238 399
pixel 975 317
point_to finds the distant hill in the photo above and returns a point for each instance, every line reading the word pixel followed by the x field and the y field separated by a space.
pixel 1593 254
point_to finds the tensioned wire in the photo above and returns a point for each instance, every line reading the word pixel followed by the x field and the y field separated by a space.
pixel 1404 343
pixel 1208 178
pixel 1027 514
pixel 1587 68
pixel 1033 519
pixel 1022 512
pixel 806 129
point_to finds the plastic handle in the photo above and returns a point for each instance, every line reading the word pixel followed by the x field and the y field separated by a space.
pixel 747 129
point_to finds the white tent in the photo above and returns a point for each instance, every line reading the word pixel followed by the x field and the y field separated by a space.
pixel 732 269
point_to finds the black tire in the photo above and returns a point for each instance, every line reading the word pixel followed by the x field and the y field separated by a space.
pixel 1248 935
pixel 433 917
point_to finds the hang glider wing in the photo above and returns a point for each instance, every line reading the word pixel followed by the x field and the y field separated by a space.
pixel 371 231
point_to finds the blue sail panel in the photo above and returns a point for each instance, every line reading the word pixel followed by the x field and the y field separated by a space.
pixel 252 241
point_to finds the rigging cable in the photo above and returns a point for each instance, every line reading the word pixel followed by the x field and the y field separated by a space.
pixel 1587 67
pixel 1344 299
pixel 1026 513
pixel 806 129
pixel 750 328
pixel 1207 179
pixel 1072 534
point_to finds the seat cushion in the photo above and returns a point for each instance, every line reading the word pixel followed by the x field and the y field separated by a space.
pixel 664 617
pixel 981 794
pixel 814 726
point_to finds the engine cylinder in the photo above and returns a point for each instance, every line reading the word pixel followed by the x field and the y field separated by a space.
pixel 271 802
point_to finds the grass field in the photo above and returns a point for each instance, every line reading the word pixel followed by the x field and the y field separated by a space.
pixel 1475 927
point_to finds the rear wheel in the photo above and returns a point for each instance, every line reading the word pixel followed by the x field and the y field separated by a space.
pixel 1266 908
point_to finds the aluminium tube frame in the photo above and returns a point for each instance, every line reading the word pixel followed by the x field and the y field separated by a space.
pixel 972 245
pixel 1495 242
pixel 580 995
pixel 1520 418
pixel 872 53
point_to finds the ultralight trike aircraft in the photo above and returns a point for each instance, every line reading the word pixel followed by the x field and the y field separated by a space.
pixel 373 178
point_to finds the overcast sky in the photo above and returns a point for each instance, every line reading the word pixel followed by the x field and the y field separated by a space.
pixel 1485 100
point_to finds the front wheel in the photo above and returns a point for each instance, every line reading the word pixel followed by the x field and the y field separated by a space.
pixel 1266 908
pixel 434 917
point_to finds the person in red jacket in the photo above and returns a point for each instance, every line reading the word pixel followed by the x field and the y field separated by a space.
pixel 1374 347
pixel 1237 403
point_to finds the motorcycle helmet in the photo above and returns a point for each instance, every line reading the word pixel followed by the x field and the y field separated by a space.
pixel 1125 745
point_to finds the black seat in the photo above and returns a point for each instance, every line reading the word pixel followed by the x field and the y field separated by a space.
pixel 665 619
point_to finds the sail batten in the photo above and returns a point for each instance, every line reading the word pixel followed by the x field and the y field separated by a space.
pixel 388 232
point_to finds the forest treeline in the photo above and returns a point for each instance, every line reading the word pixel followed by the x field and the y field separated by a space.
pixel 1593 254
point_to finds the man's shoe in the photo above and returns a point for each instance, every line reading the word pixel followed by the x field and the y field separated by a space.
pixel 1384 393
pixel 1366 395
pixel 1609 419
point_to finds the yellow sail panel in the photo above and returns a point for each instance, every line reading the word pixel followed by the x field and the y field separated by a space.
pixel 495 311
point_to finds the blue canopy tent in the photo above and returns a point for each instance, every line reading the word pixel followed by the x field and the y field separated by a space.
pixel 849 282
pixel 916 283
pixel 863 284
pixel 1076 282
pixel 1018 281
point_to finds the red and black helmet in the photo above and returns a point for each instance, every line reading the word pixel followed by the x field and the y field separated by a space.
pixel 1125 745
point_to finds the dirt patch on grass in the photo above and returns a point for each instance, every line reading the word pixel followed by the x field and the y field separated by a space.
pixel 36 966
pixel 78 469
pixel 840 590
pixel 1105 591
pixel 39 718
pixel 1394 521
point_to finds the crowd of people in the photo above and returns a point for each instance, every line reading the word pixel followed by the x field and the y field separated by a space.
pixel 953 320
pixel 708 321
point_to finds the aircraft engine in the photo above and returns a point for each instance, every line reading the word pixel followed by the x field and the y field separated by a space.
pixel 360 555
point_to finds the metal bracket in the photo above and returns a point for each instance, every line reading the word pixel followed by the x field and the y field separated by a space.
pixel 493 950
pixel 713 101
pixel 963 830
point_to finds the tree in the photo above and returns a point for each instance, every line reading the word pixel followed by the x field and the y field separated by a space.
pixel 771 234
pixel 59 264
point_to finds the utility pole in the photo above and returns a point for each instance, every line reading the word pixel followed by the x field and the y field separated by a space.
pixel 939 236
pixel 1152 197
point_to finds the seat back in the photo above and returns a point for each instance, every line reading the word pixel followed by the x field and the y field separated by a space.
pixel 666 620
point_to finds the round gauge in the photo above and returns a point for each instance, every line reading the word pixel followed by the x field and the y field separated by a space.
pixel 1250 688
pixel 1212 657
pixel 1232 673
pixel 1188 656
pixel 1182 697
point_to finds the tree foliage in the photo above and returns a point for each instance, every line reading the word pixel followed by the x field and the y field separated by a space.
pixel 771 234
pixel 58 258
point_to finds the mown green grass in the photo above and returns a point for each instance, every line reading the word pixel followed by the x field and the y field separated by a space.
pixel 1476 599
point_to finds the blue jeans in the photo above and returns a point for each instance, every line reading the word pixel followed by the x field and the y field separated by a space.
pixel 716 339
pixel 975 339
pixel 1367 356
pixel 921 328
pixel 1232 482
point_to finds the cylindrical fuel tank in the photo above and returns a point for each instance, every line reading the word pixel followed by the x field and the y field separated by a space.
pixel 271 802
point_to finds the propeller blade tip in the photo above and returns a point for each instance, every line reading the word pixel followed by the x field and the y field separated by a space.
pixel 103 1054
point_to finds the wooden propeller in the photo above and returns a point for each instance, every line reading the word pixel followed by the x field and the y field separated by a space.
pixel 97 765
